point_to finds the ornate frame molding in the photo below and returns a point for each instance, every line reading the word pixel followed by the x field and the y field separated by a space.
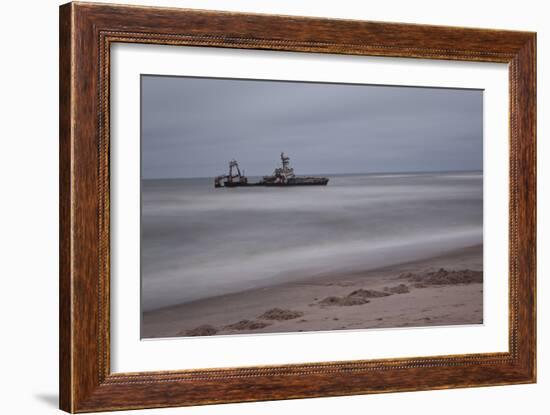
pixel 86 33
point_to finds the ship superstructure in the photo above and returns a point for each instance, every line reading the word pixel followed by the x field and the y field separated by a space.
pixel 282 176
pixel 233 179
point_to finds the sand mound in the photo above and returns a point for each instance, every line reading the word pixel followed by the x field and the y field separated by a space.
pixel 204 330
pixel 444 277
pixel 280 314
pixel 343 301
pixel 368 294
pixel 247 325
pixel 357 297
pixel 398 289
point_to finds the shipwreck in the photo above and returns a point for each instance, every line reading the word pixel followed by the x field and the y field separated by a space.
pixel 282 176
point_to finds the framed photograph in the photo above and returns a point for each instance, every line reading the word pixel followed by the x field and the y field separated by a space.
pixel 258 207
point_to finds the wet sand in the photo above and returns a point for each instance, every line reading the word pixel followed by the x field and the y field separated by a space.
pixel 444 290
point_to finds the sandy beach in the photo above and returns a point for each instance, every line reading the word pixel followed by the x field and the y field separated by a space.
pixel 444 290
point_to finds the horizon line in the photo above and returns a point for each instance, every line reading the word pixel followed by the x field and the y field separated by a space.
pixel 327 174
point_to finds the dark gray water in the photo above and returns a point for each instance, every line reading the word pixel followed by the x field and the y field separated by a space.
pixel 198 241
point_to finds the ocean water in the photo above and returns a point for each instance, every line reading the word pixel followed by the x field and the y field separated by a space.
pixel 198 241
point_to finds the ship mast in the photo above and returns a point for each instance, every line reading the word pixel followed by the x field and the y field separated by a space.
pixel 233 164
pixel 285 160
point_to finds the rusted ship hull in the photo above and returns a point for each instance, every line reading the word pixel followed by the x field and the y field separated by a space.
pixel 321 181
pixel 316 182
pixel 236 184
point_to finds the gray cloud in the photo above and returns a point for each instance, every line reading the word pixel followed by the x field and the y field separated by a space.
pixel 191 127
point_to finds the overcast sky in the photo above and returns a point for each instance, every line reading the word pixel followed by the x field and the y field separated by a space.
pixel 192 127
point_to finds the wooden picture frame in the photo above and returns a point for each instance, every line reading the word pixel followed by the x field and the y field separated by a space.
pixel 86 33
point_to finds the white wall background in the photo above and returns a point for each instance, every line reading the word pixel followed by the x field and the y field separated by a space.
pixel 29 207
